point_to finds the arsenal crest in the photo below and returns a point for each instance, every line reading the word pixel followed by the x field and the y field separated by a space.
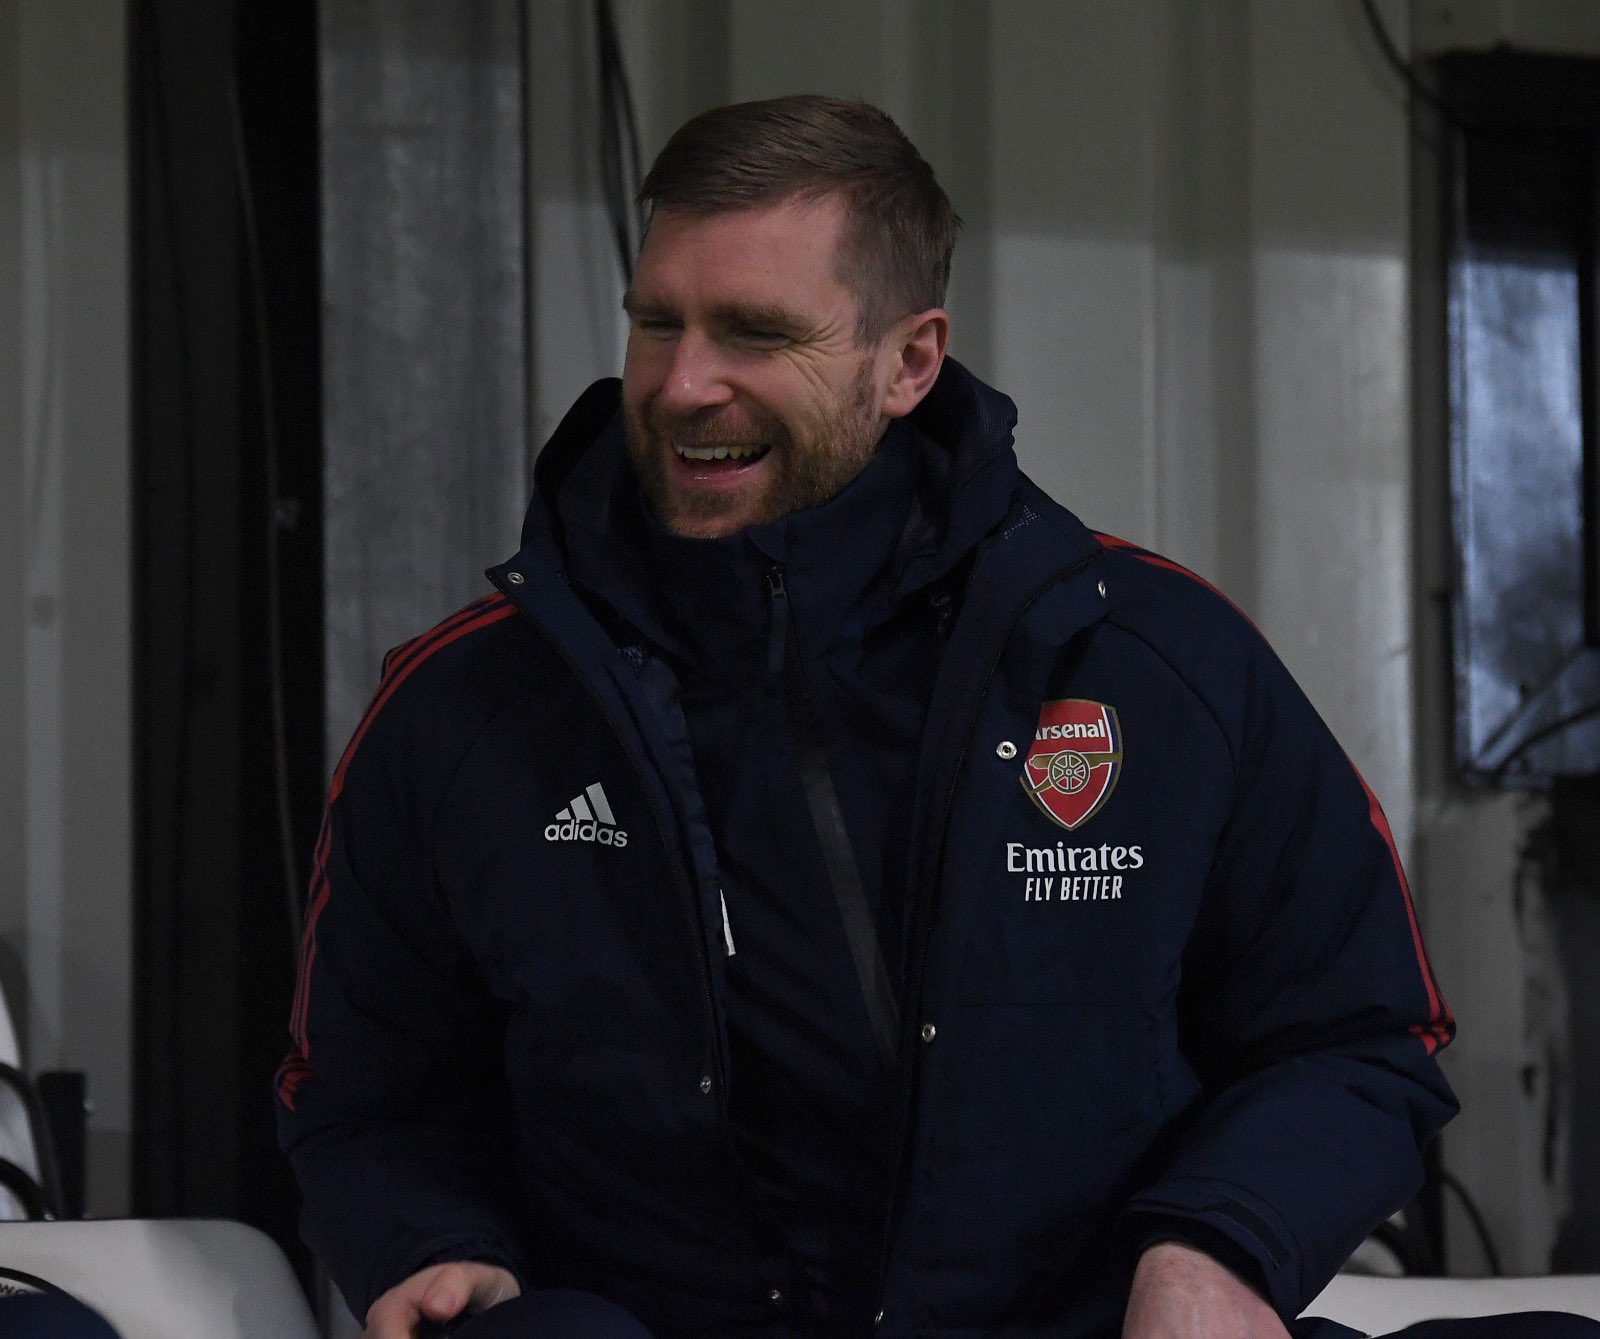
pixel 1076 757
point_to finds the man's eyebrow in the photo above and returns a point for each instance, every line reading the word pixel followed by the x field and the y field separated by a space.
pixel 637 306
pixel 758 316
pixel 745 315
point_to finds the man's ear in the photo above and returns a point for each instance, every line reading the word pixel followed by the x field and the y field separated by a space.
pixel 918 342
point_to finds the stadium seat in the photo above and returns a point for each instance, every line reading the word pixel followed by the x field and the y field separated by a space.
pixel 1383 1305
pixel 166 1278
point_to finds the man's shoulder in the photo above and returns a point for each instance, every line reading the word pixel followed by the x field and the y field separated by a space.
pixel 450 655
pixel 1146 591
pixel 1177 615
pixel 436 690
pixel 1165 599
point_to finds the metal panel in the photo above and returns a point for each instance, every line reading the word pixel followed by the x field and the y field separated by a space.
pixel 424 326
pixel 71 407
pixel 13 895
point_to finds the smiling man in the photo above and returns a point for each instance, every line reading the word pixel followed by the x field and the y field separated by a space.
pixel 756 385
pixel 825 889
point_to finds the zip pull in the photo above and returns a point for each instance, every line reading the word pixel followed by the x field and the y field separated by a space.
pixel 727 930
pixel 780 620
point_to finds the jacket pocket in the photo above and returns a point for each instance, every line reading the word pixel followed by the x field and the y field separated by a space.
pixel 1035 1126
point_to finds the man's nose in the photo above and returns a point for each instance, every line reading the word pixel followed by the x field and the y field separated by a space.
pixel 696 377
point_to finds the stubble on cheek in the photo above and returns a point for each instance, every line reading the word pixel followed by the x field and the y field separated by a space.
pixel 802 471
pixel 830 459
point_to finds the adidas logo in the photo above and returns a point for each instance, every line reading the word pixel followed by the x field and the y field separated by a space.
pixel 588 818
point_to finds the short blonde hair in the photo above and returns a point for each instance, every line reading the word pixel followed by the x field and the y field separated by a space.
pixel 900 228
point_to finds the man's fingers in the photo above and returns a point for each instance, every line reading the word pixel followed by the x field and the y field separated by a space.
pixel 466 1287
pixel 438 1293
pixel 391 1317
pixel 445 1297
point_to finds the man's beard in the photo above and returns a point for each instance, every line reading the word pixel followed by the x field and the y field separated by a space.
pixel 805 471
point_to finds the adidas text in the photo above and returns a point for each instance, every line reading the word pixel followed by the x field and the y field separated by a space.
pixel 574 831
pixel 588 818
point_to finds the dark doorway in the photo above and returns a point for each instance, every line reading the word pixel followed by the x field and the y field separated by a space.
pixel 228 587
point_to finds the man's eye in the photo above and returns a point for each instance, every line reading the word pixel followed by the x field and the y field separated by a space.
pixel 767 339
pixel 657 327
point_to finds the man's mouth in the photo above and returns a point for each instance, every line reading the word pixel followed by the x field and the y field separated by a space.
pixel 722 457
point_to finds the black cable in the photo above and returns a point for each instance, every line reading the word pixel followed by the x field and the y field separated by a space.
pixel 530 444
pixel 1404 68
pixel 28 1192
pixel 256 268
pixel 611 126
pixel 1478 1224
pixel 1530 697
pixel 159 135
pixel 1411 1258
pixel 1543 733
pixel 16 1283
pixel 44 1144
pixel 621 171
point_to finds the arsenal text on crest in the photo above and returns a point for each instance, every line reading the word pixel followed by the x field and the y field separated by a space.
pixel 1074 761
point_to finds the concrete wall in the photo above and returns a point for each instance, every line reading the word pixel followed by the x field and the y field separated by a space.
pixel 65 813
pixel 425 435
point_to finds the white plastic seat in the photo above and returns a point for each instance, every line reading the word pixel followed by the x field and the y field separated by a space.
pixel 16 1136
pixel 1383 1305
pixel 180 1278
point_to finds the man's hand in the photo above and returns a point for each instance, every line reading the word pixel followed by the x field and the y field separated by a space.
pixel 438 1293
pixel 1181 1293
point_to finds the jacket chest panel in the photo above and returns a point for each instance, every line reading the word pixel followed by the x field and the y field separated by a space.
pixel 1081 839
pixel 558 876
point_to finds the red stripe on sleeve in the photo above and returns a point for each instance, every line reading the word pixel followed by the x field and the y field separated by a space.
pixel 399 666
pixel 291 1074
pixel 1440 1027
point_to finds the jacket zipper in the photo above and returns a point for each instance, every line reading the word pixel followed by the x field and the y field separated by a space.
pixel 778 629
pixel 833 837
pixel 922 932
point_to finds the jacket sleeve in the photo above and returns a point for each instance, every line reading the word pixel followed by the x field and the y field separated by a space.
pixel 391 1104
pixel 1309 1012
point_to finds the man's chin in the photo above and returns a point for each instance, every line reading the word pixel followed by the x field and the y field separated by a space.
pixel 699 522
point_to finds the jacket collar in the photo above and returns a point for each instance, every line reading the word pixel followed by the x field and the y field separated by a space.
pixel 956 486
pixel 708 602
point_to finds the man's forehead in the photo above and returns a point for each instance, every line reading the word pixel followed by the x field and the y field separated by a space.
pixel 755 256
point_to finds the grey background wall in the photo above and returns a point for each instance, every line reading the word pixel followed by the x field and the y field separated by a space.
pixel 424 309
pixel 65 839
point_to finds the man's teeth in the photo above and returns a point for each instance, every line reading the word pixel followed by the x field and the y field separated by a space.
pixel 720 452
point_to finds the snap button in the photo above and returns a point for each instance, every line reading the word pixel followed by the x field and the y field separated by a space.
pixel 1006 749
pixel 705 1083
pixel 929 1032
pixel 515 578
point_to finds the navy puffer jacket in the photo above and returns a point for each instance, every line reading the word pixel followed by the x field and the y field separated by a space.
pixel 1163 974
